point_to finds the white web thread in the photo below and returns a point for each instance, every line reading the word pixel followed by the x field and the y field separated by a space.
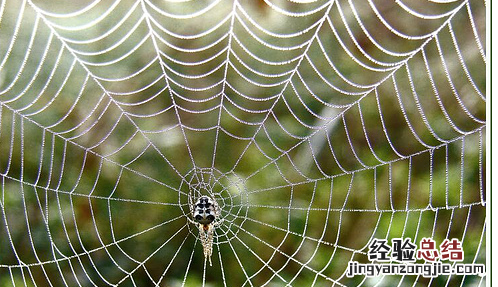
pixel 241 61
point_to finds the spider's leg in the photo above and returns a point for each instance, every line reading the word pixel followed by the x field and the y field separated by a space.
pixel 201 233
pixel 191 211
pixel 218 215
pixel 218 223
pixel 220 219
pixel 191 204
pixel 209 243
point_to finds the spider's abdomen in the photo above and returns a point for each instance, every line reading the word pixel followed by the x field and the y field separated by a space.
pixel 204 212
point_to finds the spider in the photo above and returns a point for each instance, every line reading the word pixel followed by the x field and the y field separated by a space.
pixel 205 211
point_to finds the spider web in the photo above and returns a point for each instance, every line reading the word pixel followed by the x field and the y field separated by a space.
pixel 317 126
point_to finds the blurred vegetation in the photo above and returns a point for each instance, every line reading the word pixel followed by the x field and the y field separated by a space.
pixel 95 180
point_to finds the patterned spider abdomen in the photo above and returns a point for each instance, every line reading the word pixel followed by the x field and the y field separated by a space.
pixel 204 212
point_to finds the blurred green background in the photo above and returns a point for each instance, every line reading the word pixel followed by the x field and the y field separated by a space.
pixel 313 136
